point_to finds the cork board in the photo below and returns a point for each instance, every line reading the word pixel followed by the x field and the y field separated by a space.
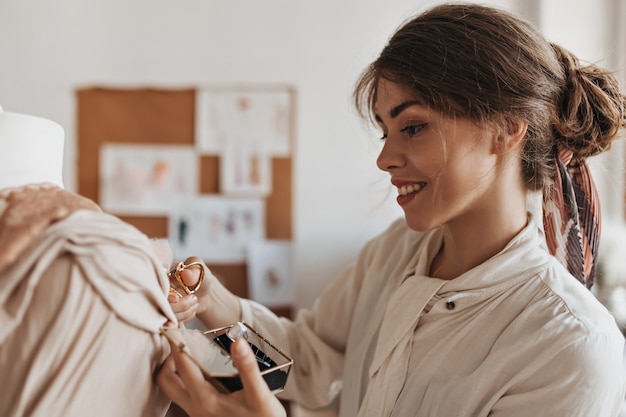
pixel 167 117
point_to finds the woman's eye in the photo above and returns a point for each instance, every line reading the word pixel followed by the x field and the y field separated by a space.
pixel 384 136
pixel 412 130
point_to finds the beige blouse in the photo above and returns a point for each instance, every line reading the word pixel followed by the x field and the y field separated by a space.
pixel 80 310
pixel 515 336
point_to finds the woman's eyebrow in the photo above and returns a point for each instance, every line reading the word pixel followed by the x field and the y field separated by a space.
pixel 395 112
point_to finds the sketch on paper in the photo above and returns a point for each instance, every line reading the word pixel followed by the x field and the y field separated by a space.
pixel 217 229
pixel 143 179
pixel 245 170
pixel 270 280
pixel 258 118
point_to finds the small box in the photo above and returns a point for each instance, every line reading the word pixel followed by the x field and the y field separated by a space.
pixel 210 350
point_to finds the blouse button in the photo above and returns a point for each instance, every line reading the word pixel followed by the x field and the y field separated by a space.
pixel 450 305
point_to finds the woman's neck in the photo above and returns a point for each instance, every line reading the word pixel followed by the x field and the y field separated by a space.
pixel 470 241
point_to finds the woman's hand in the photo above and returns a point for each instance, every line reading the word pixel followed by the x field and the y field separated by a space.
pixel 28 211
pixel 187 306
pixel 182 381
pixel 211 302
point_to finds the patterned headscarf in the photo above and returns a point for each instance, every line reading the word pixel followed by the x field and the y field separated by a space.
pixel 571 216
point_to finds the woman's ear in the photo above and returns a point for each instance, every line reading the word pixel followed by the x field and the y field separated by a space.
pixel 510 136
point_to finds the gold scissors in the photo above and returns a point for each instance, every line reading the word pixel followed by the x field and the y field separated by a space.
pixel 175 273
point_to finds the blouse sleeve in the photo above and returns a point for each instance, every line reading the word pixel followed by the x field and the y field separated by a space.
pixel 317 338
pixel 584 379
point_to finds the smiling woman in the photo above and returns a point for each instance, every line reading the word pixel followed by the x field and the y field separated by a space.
pixel 563 111
pixel 465 307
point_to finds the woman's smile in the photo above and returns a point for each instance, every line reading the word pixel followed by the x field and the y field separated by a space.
pixel 408 192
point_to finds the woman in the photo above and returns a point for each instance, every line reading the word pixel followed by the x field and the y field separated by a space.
pixel 463 308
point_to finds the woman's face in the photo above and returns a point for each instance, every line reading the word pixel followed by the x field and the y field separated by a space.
pixel 443 167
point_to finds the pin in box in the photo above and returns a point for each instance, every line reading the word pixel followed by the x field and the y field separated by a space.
pixel 210 350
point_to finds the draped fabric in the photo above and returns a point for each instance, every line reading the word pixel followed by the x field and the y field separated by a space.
pixel 571 217
pixel 390 366
pixel 80 310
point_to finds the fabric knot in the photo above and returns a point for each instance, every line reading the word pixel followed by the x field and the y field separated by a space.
pixel 565 155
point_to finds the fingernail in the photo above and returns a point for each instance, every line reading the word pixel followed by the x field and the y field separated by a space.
pixel 238 349
pixel 194 299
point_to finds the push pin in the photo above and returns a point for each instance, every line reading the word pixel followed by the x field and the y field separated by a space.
pixel 240 330
pixel 237 330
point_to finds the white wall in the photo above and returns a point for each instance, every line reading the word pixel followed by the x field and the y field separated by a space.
pixel 49 49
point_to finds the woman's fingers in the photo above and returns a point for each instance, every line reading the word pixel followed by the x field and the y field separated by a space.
pixel 171 384
pixel 255 388
pixel 189 372
pixel 258 399
pixel 183 381
pixel 202 398
pixel 185 308
pixel 255 399
pixel 191 275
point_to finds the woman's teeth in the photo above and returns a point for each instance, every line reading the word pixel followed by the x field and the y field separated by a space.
pixel 408 189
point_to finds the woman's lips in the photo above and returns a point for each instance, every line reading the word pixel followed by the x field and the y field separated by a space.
pixel 407 192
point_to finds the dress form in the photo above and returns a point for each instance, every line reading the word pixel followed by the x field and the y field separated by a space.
pixel 31 150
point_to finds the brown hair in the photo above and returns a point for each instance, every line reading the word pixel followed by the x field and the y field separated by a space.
pixel 487 65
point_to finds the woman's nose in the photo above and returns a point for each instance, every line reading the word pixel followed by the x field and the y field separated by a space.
pixel 390 156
